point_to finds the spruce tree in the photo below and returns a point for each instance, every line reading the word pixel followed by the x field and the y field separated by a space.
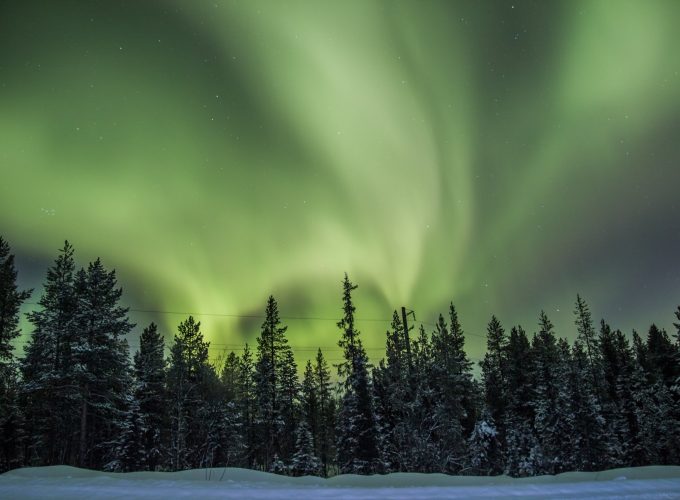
pixel 229 376
pixel 622 368
pixel 523 453
pixel 548 399
pixel 392 391
pixel 484 449
pixel 304 461
pixel 309 403
pixel 275 385
pixel 129 450
pixel 661 357
pixel 676 386
pixel 588 338
pixel 246 401
pixel 49 391
pixel 10 302
pixel 425 452
pixel 189 377
pixel 151 396
pixel 102 369
pixel 494 375
pixel 288 410
pixel 325 437
pixel 452 386
pixel 590 439
pixel 10 415
pixel 357 436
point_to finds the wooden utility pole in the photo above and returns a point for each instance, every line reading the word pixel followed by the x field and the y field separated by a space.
pixel 407 340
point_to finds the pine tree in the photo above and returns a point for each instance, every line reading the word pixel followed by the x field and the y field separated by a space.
pixel 288 410
pixel 357 442
pixel 309 403
pixel 522 443
pixel 277 466
pixel 129 452
pixel 188 378
pixel 49 393
pixel 587 337
pixel 494 375
pixel 349 341
pixel 304 461
pixel 549 400
pixel 661 357
pixel 452 386
pixel 274 387
pixel 11 416
pixel 151 396
pixel 590 439
pixel 392 392
pixel 621 368
pixel 484 449
pixel 10 302
pixel 246 401
pixel 325 437
pixel 524 454
pixel 560 442
pixel 222 442
pixel 676 386
pixel 102 369
pixel 229 376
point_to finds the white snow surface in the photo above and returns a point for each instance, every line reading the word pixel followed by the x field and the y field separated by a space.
pixel 63 482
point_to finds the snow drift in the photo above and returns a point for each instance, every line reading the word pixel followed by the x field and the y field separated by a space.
pixel 70 482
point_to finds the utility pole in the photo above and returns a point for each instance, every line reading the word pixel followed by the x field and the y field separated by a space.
pixel 407 340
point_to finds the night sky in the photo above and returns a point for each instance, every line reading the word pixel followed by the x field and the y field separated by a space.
pixel 501 155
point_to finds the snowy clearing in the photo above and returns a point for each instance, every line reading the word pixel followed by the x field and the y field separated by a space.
pixel 70 482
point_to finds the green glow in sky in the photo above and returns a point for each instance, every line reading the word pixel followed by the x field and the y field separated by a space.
pixel 500 155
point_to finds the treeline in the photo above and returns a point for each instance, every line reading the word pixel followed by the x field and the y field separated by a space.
pixel 541 406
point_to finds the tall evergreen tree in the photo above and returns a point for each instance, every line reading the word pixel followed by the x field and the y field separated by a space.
pixel 494 375
pixel 452 386
pixel 588 339
pixel 49 392
pixel 151 397
pixel 309 403
pixel 357 441
pixel 392 397
pixel 246 398
pixel 325 437
pixel 590 439
pixel 229 376
pixel 274 386
pixel 661 357
pixel 102 369
pixel 288 410
pixel 10 302
pixel 189 378
pixel 10 415
pixel 305 461
pixel 523 452
pixel 549 399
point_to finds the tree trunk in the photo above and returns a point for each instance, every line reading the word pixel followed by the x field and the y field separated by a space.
pixel 83 433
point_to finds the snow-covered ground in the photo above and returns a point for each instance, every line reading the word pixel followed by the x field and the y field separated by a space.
pixel 72 483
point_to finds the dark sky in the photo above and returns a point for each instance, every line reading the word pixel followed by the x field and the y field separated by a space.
pixel 501 155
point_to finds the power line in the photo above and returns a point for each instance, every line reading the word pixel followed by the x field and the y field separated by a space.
pixel 259 316
pixel 247 316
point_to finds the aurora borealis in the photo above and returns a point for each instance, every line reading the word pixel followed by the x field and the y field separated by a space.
pixel 500 155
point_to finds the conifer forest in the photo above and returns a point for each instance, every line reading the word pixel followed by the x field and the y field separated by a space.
pixel 76 394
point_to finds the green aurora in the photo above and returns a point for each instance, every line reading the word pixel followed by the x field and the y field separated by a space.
pixel 500 155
